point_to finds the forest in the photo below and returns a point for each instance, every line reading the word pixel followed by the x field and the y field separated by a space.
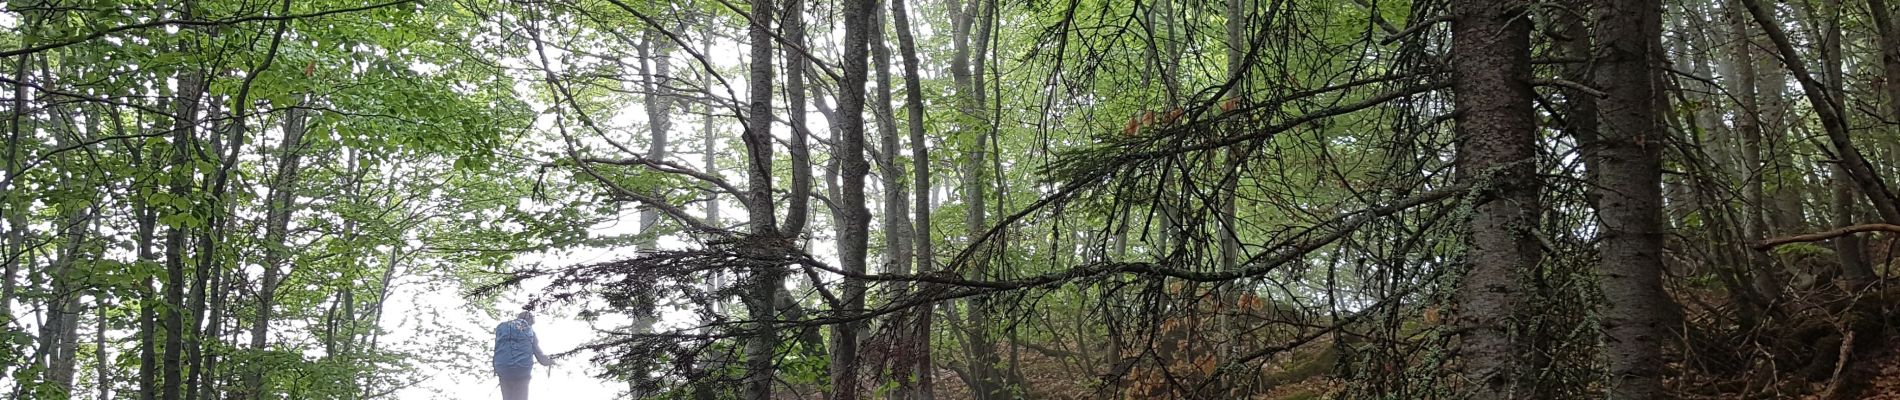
pixel 953 199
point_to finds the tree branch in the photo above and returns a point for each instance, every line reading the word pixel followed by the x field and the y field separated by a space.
pixel 668 167
pixel 1772 243
pixel 169 22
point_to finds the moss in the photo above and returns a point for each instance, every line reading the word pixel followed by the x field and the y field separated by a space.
pixel 1306 366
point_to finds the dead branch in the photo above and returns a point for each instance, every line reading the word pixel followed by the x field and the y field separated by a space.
pixel 1772 243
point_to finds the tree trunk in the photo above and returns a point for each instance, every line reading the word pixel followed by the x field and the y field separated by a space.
pixel 758 129
pixel 15 237
pixel 1856 269
pixel 710 148
pixel 919 341
pixel 214 330
pixel 1237 49
pixel 282 201
pixel 1497 135
pixel 760 298
pixel 191 87
pixel 102 358
pixel 798 203
pixel 970 91
pixel 1626 157
pixel 896 224
pixel 1581 117
pixel 1765 284
pixel 149 301
pixel 656 65
pixel 706 388
pixel 1889 42
pixel 855 234
pixel 215 210
pixel 1680 192
pixel 59 334
pixel 1781 192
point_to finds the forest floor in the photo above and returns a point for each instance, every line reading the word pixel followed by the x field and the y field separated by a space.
pixel 1885 384
pixel 1055 380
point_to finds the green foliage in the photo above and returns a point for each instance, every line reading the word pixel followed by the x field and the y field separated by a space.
pixel 1802 250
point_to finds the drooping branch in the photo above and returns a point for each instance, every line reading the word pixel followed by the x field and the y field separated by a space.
pixel 1335 229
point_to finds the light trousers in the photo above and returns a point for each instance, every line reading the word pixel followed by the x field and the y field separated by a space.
pixel 514 389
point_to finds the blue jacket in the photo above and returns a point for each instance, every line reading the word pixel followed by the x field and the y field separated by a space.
pixel 515 349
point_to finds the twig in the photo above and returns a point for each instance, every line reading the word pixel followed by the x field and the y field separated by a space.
pixel 1414 29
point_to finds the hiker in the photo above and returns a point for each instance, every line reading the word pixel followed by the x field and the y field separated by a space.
pixel 516 351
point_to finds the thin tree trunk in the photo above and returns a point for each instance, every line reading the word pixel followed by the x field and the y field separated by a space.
pixel 15 237
pixel 149 301
pixel 213 329
pixel 191 87
pixel 760 298
pixel 1856 269
pixel 656 65
pixel 208 239
pixel 282 201
pixel 376 313
pixel 855 235
pixel 710 148
pixel 706 388
pixel 59 335
pixel 1581 115
pixel 1681 191
pixel 102 356
pixel 219 210
pixel 1236 52
pixel 1765 280
pixel 919 344
pixel 897 232
pixel 1781 187
pixel 798 205
pixel 970 90
pixel 1889 41
pixel 1497 135
pixel 898 240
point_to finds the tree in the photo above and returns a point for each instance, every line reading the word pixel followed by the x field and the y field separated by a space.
pixel 918 346
pixel 656 63
pixel 1627 169
pixel 762 284
pixel 856 219
pixel 1497 134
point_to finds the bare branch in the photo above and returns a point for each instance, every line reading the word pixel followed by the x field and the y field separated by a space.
pixel 1772 243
